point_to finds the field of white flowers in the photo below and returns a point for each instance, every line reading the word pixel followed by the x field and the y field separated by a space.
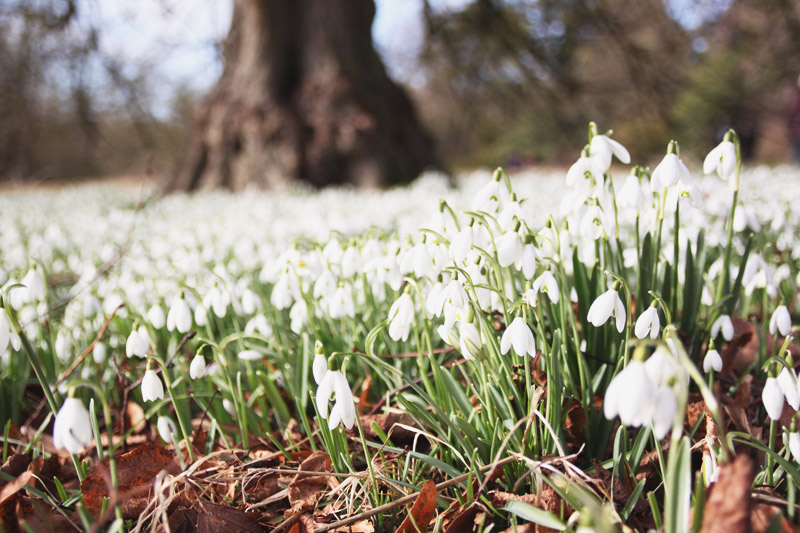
pixel 567 349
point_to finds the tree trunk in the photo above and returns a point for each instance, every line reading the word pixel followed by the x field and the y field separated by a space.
pixel 303 95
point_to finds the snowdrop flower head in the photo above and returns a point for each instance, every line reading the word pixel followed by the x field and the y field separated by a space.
pixel 320 365
pixel 166 428
pixel 547 283
pixel 179 316
pixel 604 307
pixel 780 321
pixel 509 249
pixel 630 395
pixel 72 430
pixel 724 324
pixel 794 445
pixel 343 410
pixel 772 398
pixel 787 379
pixel 648 323
pixel 671 169
pixel 156 316
pixel 722 159
pixel 401 317
pixel 469 340
pixel 197 368
pixel 519 336
pixel 712 361
pixel 138 343
pixel 594 223
pixel 152 388
pixel 602 147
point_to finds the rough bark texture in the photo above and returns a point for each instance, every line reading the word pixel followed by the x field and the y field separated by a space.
pixel 303 95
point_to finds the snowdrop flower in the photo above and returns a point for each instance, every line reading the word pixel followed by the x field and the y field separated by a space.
pixel 794 445
pixel 787 379
pixel 509 249
pixel 491 196
pixel 401 316
pixel 138 343
pixel 197 369
pixel 582 169
pixel 341 304
pixel 179 316
pixel 671 169
pixel 72 430
pixel 772 398
pixel 319 367
pixel 156 316
pixel 152 388
pixel 722 159
pixel 5 331
pixel 250 302
pixel 632 193
pixel 630 396
pixel 298 315
pixel 664 409
pixel 166 428
pixel 712 361
pixel 594 223
pixel 603 147
pixel 343 411
pixel 647 323
pixel 469 340
pixel 547 283
pixel 99 353
pixel 725 324
pixel 462 244
pixel 780 321
pixel 250 355
pixel 606 305
pixel 519 336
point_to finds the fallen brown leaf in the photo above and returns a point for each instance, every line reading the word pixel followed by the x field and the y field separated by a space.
pixel 468 520
pixel 422 511
pixel 304 490
pixel 729 504
pixel 762 517
pixel 136 471
pixel 213 518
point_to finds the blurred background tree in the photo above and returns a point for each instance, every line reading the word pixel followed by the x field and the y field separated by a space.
pixel 509 82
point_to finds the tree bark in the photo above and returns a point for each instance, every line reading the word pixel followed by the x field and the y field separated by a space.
pixel 303 96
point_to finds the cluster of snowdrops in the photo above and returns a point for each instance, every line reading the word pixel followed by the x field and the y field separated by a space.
pixel 485 312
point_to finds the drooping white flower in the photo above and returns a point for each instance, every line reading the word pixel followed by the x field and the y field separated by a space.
pixel 787 379
pixel 341 304
pixel 630 396
pixel 664 408
pixel 491 196
pixel 250 355
pixel 519 336
pixel 632 194
pixel 530 256
pixel 319 367
pixel 594 223
pixel 99 353
pixel 725 324
pixel 794 445
pixel 547 283
pixel 780 321
pixel 772 398
pixel 648 323
pixel 179 316
pixel 166 428
pixel 469 340
pixel 138 343
pixel 461 244
pixel 509 249
pixel 602 148
pixel 334 382
pixel 712 361
pixel 5 331
pixel 721 159
pixel 197 368
pixel 606 305
pixel 152 388
pixel 251 302
pixel 156 316
pixel 669 171
pixel 72 430
pixel 298 315
pixel 582 169
pixel 401 316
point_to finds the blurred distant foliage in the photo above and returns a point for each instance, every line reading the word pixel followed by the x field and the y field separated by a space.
pixel 517 80
pixel 508 82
